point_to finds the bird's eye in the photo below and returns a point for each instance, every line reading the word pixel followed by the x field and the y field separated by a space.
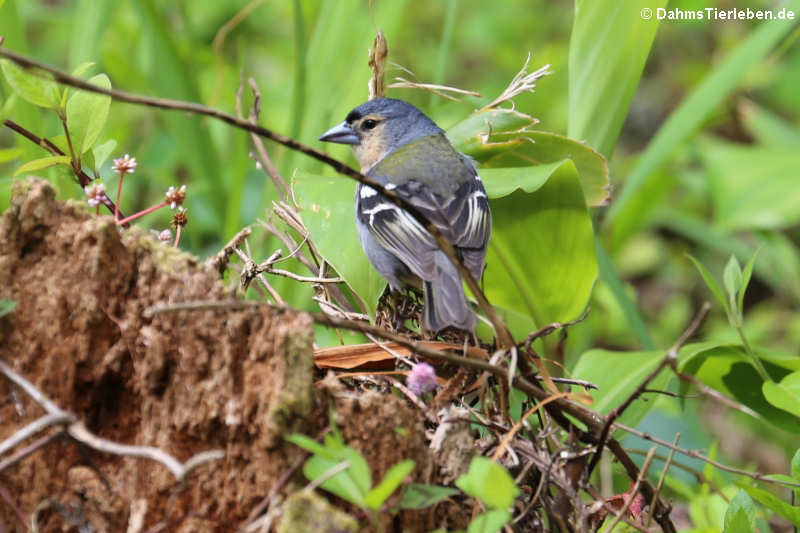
pixel 369 124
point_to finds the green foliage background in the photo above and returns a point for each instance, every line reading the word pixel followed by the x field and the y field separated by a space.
pixel 703 151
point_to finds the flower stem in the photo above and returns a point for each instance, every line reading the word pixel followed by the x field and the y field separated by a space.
pixel 119 195
pixel 141 213
pixel 177 236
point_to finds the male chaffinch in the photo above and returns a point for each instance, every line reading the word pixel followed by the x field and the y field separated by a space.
pixel 405 151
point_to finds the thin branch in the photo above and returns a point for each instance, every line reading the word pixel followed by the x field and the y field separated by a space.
pixel 38 425
pixel 78 431
pixel 219 262
pixel 668 360
pixel 663 476
pixel 697 455
pixel 504 337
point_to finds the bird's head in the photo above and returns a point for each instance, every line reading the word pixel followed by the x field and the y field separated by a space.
pixel 378 127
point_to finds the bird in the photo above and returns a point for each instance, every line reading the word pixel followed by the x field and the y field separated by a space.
pixel 403 150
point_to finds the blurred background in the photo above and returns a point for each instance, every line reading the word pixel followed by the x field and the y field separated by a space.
pixel 732 186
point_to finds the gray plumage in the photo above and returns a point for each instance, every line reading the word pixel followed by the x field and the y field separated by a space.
pixel 402 149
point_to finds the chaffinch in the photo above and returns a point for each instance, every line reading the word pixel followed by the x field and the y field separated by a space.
pixel 405 151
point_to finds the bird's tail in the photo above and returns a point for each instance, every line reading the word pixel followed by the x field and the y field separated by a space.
pixel 445 301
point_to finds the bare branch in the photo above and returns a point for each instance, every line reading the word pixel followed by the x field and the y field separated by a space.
pixel 78 431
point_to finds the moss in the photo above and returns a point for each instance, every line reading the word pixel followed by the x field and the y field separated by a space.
pixel 307 511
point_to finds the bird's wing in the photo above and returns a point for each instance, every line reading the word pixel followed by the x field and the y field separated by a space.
pixel 463 218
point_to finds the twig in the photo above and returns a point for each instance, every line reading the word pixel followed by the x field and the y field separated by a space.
pixel 78 432
pixel 633 491
pixel 660 484
pixel 668 360
pixel 550 328
pixel 697 455
pixel 504 337
pixel 29 449
pixel 41 423
pixel 219 262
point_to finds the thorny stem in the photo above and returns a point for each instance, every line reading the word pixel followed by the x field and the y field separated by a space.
pixel 504 338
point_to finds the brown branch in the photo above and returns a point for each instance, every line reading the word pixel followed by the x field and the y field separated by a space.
pixel 78 432
pixel 504 337
pixel 668 360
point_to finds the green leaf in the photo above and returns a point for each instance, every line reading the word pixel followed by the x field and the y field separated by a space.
pixel 9 154
pixel 795 468
pixel 768 128
pixel 37 88
pixel 496 141
pixel 40 164
pixel 501 182
pixel 553 284
pixel 691 113
pixel 8 107
pixel 746 275
pixel 784 395
pixel 489 482
pixel 489 522
pixel 6 307
pixel 732 279
pixel 740 516
pixel 352 483
pixel 629 370
pixel 82 68
pixel 711 283
pixel 326 206
pixel 774 504
pixel 607 52
pixel 101 153
pixel 87 114
pixel 728 369
pixel 393 478
pixel 419 496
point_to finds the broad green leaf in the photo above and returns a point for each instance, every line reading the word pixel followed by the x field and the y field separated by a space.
pixel 37 88
pixel 82 68
pixel 86 115
pixel 499 138
pixel 774 504
pixel 541 255
pixel 614 387
pixel 728 369
pixel 732 279
pixel 784 395
pixel 711 283
pixel 101 153
pixel 607 52
pixel 326 206
pixel 393 478
pixel 9 154
pixel 489 482
pixel 309 444
pixel 501 182
pixel 345 484
pixel 741 514
pixel 418 496
pixel 752 187
pixel 6 306
pixel 40 164
pixel 692 112
pixel 489 522
pixel 795 468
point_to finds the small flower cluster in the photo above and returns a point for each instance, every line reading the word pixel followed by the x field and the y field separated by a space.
pixel 421 379
pixel 174 199
pixel 96 193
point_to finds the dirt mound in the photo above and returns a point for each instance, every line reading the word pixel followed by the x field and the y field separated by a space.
pixel 234 379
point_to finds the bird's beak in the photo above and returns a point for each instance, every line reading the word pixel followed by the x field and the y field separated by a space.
pixel 342 134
